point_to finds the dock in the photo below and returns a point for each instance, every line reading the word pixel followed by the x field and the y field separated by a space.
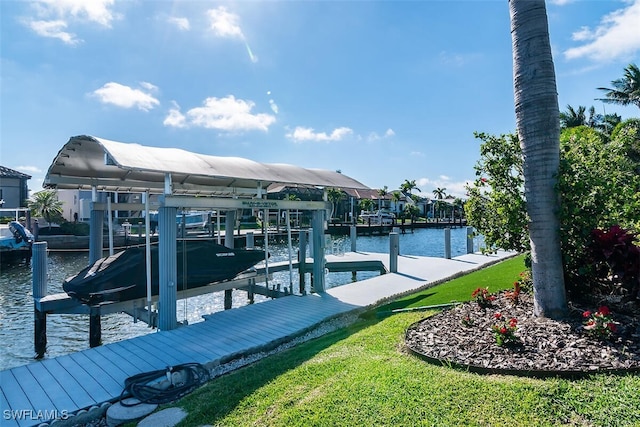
pixel 89 380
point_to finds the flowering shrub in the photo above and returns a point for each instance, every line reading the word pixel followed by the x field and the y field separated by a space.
pixel 482 297
pixel 599 324
pixel 467 321
pixel 525 282
pixel 504 330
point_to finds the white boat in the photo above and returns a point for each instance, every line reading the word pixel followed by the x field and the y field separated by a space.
pixel 379 217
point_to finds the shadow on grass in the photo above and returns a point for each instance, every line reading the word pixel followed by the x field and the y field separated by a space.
pixel 231 390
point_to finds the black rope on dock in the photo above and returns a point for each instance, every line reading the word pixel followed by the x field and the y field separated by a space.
pixel 164 385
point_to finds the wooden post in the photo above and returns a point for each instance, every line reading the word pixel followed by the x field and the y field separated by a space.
pixel 353 231
pixel 39 290
pixel 394 251
pixel 95 327
pixel 447 242
pixel 318 251
pixel 228 299
pixel 302 260
pixel 167 268
pixel 469 239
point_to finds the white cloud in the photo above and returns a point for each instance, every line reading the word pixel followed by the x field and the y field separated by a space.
pixel 175 118
pixel 225 24
pixel 374 136
pixel 97 11
pixel 455 188
pixel 274 106
pixel 301 134
pixel 416 154
pixel 53 29
pixel 228 114
pixel 561 2
pixel 28 169
pixel 54 16
pixel 180 23
pixel 149 86
pixel 617 36
pixel 126 97
pixel 457 59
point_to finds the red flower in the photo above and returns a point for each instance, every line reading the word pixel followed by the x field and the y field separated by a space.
pixel 604 310
pixel 612 327
pixel 586 314
pixel 503 330
pixel 513 322
pixel 498 315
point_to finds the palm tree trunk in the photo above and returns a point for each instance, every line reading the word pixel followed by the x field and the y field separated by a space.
pixel 538 124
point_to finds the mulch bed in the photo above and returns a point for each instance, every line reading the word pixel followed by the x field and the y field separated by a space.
pixel 544 347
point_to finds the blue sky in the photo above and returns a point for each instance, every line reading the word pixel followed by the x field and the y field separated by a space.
pixel 382 90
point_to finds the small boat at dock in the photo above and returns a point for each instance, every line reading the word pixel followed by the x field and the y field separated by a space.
pixel 15 243
pixel 122 276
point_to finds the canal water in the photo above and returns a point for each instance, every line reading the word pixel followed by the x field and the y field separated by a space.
pixel 70 332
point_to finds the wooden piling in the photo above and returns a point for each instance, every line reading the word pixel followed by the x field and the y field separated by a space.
pixel 95 327
pixel 228 299
pixel 39 290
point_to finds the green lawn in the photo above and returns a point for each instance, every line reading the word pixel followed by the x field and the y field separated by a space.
pixel 361 376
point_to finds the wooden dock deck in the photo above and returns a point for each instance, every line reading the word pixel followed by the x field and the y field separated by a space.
pixel 58 387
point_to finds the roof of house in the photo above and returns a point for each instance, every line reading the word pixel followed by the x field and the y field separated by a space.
pixel 10 173
pixel 86 161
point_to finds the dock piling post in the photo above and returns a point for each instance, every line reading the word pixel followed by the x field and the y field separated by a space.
pixel 394 251
pixel 95 327
pixel 447 242
pixel 353 233
pixel 39 288
pixel 228 299
pixel 302 261
pixel 469 240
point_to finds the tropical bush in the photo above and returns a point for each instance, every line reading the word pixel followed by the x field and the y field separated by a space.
pixel 598 183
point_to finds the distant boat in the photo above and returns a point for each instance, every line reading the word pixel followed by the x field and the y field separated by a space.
pixel 122 276
pixel 15 243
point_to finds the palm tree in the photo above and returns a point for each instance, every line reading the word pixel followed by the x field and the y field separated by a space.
pixel 440 193
pixel 395 198
pixel 408 186
pixel 626 90
pixel 573 118
pixel 538 124
pixel 334 195
pixel 46 204
pixel 382 193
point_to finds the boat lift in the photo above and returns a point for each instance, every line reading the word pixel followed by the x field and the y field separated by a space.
pixel 183 180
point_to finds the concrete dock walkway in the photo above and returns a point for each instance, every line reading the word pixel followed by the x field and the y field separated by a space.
pixel 89 380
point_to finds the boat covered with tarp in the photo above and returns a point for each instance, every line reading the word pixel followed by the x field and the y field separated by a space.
pixel 15 243
pixel 123 277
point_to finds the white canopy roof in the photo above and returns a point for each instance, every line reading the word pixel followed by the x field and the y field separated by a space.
pixel 87 161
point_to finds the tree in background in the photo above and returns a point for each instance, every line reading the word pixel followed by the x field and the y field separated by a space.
pixel 626 90
pixel 334 195
pixel 395 198
pixel 408 186
pixel 572 117
pixel 45 204
pixel 538 125
pixel 382 193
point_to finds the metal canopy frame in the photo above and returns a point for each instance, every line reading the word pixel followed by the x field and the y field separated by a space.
pixel 181 178
pixel 88 162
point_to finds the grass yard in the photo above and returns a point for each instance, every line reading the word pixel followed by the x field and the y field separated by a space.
pixel 361 376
